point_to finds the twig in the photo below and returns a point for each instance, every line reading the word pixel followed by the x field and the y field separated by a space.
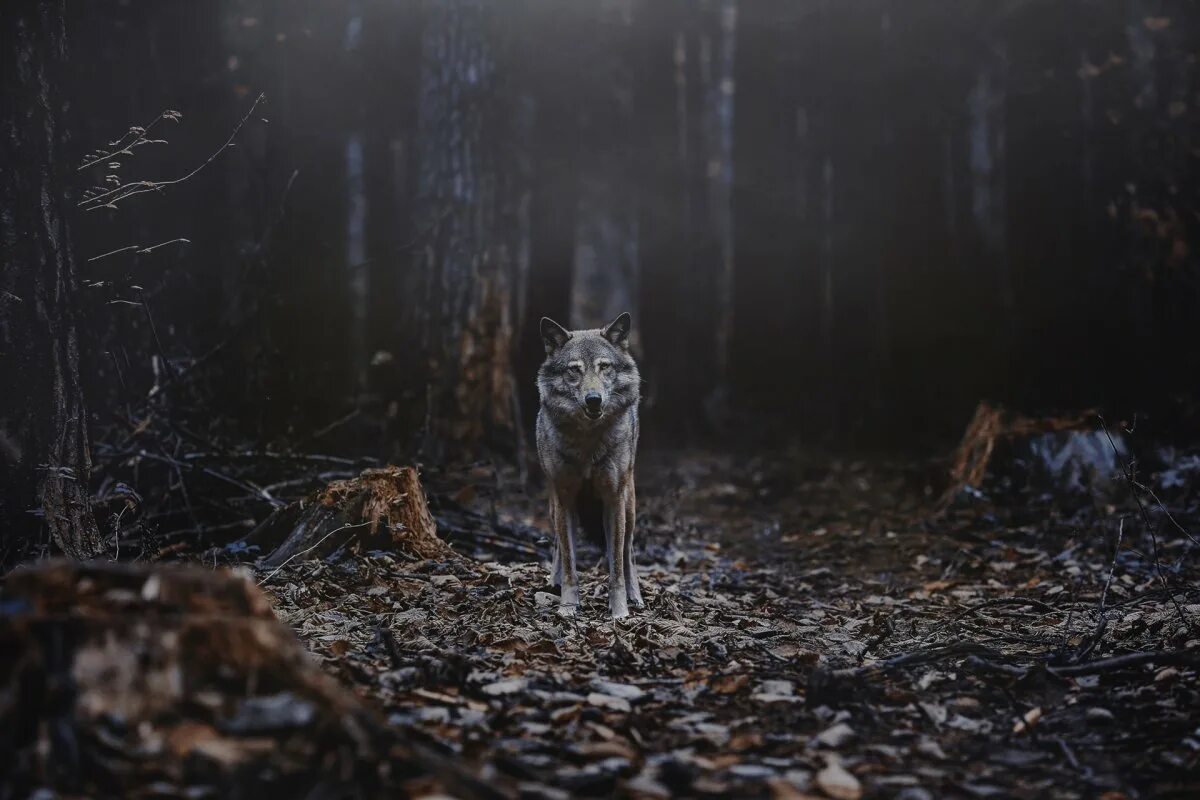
pixel 1151 528
pixel 245 486
pixel 917 658
pixel 311 548
pixel 114 252
pixel 1110 664
pixel 1112 567
pixel 1163 509
pixel 139 249
pixel 154 247
pixel 125 191
pixel 1004 601
pixel 1085 772
pixel 267 455
pixel 337 423
pixel 154 330
pixel 1128 660
pixel 126 149
pixel 1102 618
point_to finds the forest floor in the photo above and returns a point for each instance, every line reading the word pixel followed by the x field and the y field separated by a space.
pixel 808 631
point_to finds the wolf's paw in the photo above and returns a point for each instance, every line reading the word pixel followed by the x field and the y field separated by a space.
pixel 635 598
pixel 618 608
pixel 637 604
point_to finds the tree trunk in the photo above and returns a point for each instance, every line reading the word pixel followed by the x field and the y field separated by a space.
pixel 466 272
pixel 605 268
pixel 687 288
pixel 721 29
pixel 553 76
pixel 44 456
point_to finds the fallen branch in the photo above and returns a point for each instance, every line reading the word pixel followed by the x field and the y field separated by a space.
pixel 1096 667
pixel 826 685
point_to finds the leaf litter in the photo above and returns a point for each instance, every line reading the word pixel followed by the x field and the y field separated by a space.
pixel 810 631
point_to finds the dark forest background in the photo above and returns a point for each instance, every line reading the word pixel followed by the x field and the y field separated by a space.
pixel 863 217
pixel 914 288
pixel 841 222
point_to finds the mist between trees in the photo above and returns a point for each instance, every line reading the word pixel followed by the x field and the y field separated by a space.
pixel 271 281
pixel 861 217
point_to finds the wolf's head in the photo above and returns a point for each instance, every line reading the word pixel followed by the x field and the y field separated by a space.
pixel 588 375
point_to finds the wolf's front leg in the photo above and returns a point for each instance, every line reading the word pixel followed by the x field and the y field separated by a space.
pixel 633 588
pixel 614 536
pixel 565 523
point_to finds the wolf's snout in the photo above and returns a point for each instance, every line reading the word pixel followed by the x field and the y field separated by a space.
pixel 592 401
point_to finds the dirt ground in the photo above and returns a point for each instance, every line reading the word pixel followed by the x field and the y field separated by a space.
pixel 809 630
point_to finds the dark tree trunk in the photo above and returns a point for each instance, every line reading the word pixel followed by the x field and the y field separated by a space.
pixel 605 268
pixel 466 272
pixel 43 426
pixel 552 75
pixel 687 283
pixel 720 33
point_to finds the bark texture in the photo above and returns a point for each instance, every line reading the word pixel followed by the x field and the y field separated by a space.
pixel 465 316
pixel 44 458
pixel 381 509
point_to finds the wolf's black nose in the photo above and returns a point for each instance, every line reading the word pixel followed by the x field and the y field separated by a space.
pixel 592 400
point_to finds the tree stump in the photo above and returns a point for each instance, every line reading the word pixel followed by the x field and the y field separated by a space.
pixel 381 509
pixel 993 425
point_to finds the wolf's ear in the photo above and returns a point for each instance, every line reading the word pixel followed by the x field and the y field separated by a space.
pixel 617 331
pixel 553 335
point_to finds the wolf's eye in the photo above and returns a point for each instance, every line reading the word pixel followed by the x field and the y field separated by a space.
pixel 605 366
pixel 575 369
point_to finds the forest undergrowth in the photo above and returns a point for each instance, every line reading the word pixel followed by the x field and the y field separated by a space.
pixel 808 631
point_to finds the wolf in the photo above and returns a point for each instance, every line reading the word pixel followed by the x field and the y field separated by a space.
pixel 587 435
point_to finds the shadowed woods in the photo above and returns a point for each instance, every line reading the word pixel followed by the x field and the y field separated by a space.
pixel 910 292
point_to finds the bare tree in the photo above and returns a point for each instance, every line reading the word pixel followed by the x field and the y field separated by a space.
pixel 44 457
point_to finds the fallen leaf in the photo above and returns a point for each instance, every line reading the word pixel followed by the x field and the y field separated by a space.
pixel 1028 721
pixel 609 702
pixel 835 735
pixel 505 687
pixel 836 782
pixel 728 684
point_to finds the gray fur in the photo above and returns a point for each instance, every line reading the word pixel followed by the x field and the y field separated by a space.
pixel 577 446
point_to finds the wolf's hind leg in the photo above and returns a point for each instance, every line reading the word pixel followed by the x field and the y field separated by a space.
pixel 556 570
pixel 632 587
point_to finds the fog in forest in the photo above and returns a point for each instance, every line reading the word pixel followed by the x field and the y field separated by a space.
pixel 860 218
pixel 910 379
